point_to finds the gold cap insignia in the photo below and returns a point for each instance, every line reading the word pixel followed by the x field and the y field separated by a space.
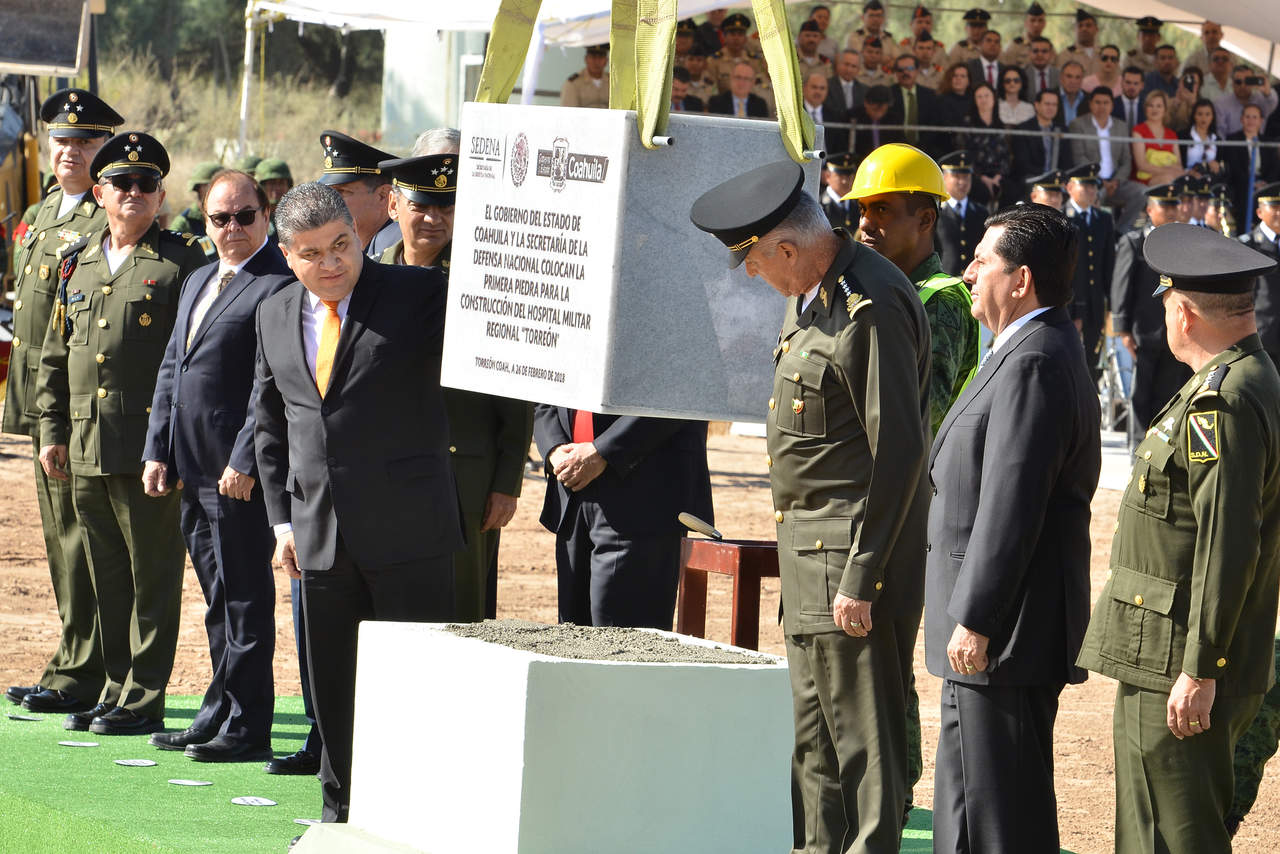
pixel 441 181
pixel 797 405
pixel 328 163
pixel 71 118
pixel 133 155
pixel 144 320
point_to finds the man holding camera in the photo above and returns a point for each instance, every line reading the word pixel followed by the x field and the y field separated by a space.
pixel 1247 87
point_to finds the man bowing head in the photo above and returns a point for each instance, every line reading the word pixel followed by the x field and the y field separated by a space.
pixel 352 447
pixel 1013 467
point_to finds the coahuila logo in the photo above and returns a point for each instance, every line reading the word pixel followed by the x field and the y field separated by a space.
pixel 562 165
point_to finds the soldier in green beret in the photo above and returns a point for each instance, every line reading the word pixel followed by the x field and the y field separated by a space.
pixel 79 122
pixel 191 219
pixel 848 428
pixel 117 295
pixel 1195 561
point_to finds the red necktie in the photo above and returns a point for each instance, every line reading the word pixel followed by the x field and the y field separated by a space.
pixel 1044 84
pixel 583 426
pixel 991 74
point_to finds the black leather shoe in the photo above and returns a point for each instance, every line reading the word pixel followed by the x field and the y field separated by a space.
pixel 79 721
pixel 15 693
pixel 124 722
pixel 180 740
pixel 302 762
pixel 224 748
pixel 52 700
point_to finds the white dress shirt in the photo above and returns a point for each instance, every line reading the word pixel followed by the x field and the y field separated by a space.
pixel 1107 166
pixel 809 296
pixel 313 314
pixel 1013 327
pixel 209 292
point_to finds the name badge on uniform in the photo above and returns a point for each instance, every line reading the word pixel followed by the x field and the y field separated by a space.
pixel 44 271
pixel 1202 437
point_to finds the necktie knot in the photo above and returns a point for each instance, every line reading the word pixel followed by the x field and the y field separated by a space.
pixel 331 304
pixel 225 279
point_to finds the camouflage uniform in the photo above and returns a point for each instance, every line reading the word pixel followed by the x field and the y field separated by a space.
pixel 1256 746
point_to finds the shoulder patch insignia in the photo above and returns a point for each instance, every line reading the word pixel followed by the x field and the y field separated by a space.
pixel 1202 437
pixel 573 77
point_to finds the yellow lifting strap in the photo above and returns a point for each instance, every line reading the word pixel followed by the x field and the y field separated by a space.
pixel 622 55
pixel 784 70
pixel 655 35
pixel 508 45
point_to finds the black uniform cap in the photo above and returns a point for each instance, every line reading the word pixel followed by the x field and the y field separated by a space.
pixel 347 159
pixel 1082 16
pixel 130 153
pixel 431 179
pixel 1163 193
pixel 686 26
pixel 872 5
pixel 736 21
pixel 1085 173
pixel 1270 194
pixel 956 161
pixel 1191 258
pixel 810 26
pixel 1220 195
pixel 921 12
pixel 1051 180
pixel 977 16
pixel 598 49
pixel 1200 188
pixel 1150 24
pixel 844 163
pixel 78 113
pixel 745 208
pixel 1035 9
pixel 698 50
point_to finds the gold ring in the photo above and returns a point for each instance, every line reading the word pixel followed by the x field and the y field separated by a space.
pixel 856 625
pixel 1194 723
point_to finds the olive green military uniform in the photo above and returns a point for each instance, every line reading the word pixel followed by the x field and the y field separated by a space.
pixel 190 221
pixel 1194 578
pixel 76 666
pixel 1255 748
pixel 583 90
pixel 96 385
pixel 720 65
pixel 489 442
pixel 847 436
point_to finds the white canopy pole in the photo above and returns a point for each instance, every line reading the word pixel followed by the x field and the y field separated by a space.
pixel 532 62
pixel 246 79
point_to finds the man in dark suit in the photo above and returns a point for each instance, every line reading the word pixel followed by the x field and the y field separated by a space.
pixel 986 66
pixel 960 220
pixel 1040 73
pixel 740 101
pixel 1034 155
pixel 200 433
pixel 838 177
pixel 352 446
pixel 681 100
pixel 1128 107
pixel 821 110
pixel 877 110
pixel 1007 579
pixel 844 90
pixel 918 105
pixel 1139 320
pixel 615 485
pixel 1095 260
pixel 1266 292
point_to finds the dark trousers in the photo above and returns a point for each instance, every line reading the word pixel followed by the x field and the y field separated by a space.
pixel 230 543
pixel 76 666
pixel 314 743
pixel 1173 795
pixel 1157 378
pixel 849 768
pixel 993 784
pixel 334 603
pixel 609 579
pixel 135 550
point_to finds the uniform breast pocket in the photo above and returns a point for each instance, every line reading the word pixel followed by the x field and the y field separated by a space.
pixel 81 321
pixel 147 316
pixel 1139 629
pixel 800 408
pixel 1149 485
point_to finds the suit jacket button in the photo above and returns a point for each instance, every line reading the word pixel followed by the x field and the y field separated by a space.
pixel 817 544
pixel 453 449
pixel 928 547
pixel 879 585
pixel 777 516
pixel 106 290
pixel 1222 662
pixel 102 392
pixel 100 358
pixel 1137 600
pixel 102 323
pixel 148 410
pixel 786 346
pixel 772 403
pixel 184 369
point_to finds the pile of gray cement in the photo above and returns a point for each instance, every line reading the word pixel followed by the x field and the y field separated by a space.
pixel 600 643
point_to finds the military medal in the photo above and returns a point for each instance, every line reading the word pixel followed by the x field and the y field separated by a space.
pixel 144 320
pixel 797 405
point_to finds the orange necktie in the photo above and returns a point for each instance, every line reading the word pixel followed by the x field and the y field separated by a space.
pixel 328 344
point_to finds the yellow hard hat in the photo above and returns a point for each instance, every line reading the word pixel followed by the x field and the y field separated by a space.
pixel 897 168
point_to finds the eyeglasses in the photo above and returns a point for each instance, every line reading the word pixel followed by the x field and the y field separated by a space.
pixel 906 69
pixel 244 217
pixel 125 183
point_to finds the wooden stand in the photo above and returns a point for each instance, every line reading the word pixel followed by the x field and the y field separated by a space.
pixel 746 562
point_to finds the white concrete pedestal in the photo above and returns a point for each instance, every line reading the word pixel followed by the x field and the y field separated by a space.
pixel 494 750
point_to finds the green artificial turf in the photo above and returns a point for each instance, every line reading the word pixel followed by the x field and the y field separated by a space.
pixel 72 799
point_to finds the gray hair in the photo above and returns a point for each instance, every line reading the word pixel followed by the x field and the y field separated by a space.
pixel 437 141
pixel 804 226
pixel 309 206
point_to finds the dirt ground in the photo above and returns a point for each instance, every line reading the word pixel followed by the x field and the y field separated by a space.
pixel 29 627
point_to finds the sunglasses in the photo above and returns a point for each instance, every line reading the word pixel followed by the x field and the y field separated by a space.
pixel 244 217
pixel 125 183
pixel 1106 57
pixel 1009 80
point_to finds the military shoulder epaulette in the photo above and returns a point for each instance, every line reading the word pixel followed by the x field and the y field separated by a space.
pixel 1212 385
pixel 184 237
pixel 573 76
